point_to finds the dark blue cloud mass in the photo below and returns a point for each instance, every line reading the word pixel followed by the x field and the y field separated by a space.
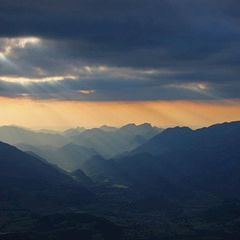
pixel 120 49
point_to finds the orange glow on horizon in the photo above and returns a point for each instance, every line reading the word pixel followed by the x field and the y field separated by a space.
pixel 65 114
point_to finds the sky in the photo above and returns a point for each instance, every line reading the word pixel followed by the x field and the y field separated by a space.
pixel 66 63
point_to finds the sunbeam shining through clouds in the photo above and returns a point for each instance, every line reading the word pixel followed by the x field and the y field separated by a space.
pixel 119 120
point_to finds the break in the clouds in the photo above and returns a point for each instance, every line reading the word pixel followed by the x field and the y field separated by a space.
pixel 120 49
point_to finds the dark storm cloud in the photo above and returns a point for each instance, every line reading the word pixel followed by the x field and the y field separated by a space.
pixel 186 42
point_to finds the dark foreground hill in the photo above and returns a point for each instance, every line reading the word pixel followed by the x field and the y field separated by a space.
pixel 62 226
pixel 39 201
pixel 26 181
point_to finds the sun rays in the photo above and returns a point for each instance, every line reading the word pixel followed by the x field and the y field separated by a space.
pixel 64 114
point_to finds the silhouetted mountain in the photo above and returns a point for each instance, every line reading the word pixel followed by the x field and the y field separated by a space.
pixel 73 131
pixel 80 176
pixel 180 184
pixel 169 140
pixel 179 159
pixel 108 128
pixel 69 157
pixel 26 181
pixel 184 138
pixel 103 171
pixel 17 135
pixel 106 141
pixel 50 131
pixel 146 130
pixel 37 201
pixel 110 143
pixel 206 159
pixel 143 175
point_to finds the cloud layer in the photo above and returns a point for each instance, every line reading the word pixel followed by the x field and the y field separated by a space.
pixel 120 50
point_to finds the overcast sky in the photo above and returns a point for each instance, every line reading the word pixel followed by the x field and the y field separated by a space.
pixel 120 49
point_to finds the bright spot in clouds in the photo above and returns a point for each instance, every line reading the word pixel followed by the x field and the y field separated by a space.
pixel 87 91
pixel 9 44
pixel 191 86
pixel 24 80
pixel 22 42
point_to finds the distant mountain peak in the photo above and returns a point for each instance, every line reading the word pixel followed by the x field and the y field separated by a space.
pixel 108 128
pixel 145 125
pixel 131 126
pixel 128 126
pixel 177 130
pixel 75 129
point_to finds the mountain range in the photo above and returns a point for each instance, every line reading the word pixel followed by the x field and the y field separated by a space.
pixel 181 157
pixel 69 149
pixel 176 183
